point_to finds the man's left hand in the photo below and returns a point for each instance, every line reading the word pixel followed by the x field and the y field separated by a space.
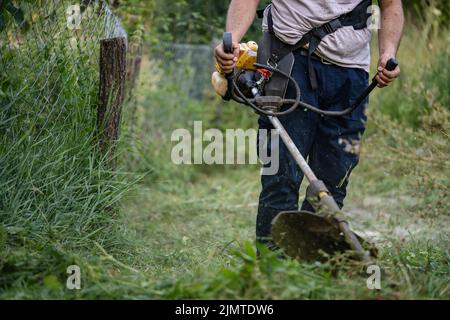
pixel 385 77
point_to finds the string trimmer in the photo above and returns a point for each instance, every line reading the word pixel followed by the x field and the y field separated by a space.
pixel 300 234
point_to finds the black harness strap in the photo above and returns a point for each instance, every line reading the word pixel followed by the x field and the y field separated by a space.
pixel 357 18
pixel 260 13
pixel 270 20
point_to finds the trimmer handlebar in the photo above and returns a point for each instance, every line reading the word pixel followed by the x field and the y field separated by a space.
pixel 255 103
pixel 391 64
pixel 227 42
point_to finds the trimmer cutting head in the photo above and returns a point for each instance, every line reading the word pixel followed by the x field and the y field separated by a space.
pixel 307 236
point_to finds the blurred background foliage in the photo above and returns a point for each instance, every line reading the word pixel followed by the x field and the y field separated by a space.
pixel 191 21
pixel 197 21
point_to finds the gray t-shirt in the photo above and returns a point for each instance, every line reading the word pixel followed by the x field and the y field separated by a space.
pixel 346 47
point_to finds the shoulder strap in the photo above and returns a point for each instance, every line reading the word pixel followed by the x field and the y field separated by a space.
pixel 357 18
pixel 270 19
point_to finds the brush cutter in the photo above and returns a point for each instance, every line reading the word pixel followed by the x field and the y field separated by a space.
pixel 304 235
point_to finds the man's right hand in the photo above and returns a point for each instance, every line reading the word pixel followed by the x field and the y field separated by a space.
pixel 227 61
pixel 240 16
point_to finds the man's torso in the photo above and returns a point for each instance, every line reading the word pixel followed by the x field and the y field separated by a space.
pixel 346 47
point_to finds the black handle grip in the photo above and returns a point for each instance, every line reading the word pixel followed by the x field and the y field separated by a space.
pixel 227 42
pixel 391 64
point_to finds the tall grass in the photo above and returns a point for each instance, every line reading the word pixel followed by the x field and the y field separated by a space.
pixel 57 192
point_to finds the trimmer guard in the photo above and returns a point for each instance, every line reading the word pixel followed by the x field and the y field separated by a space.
pixel 307 236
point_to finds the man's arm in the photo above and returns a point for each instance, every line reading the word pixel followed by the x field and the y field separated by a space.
pixel 240 17
pixel 389 35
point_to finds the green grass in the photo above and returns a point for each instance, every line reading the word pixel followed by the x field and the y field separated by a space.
pixel 197 239
pixel 58 193
pixel 155 230
pixel 197 246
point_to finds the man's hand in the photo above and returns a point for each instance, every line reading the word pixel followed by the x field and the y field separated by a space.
pixel 389 35
pixel 227 61
pixel 385 77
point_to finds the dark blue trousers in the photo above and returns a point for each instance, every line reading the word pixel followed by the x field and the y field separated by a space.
pixel 329 143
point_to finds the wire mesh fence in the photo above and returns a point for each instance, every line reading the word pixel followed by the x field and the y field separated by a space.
pixel 49 66
pixel 196 79
pixel 55 183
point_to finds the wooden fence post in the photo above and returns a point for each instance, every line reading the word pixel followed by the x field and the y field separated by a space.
pixel 111 92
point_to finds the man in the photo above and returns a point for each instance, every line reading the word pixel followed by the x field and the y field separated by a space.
pixel 341 67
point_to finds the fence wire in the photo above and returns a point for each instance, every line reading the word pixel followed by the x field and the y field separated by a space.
pixel 49 69
pixel 186 66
